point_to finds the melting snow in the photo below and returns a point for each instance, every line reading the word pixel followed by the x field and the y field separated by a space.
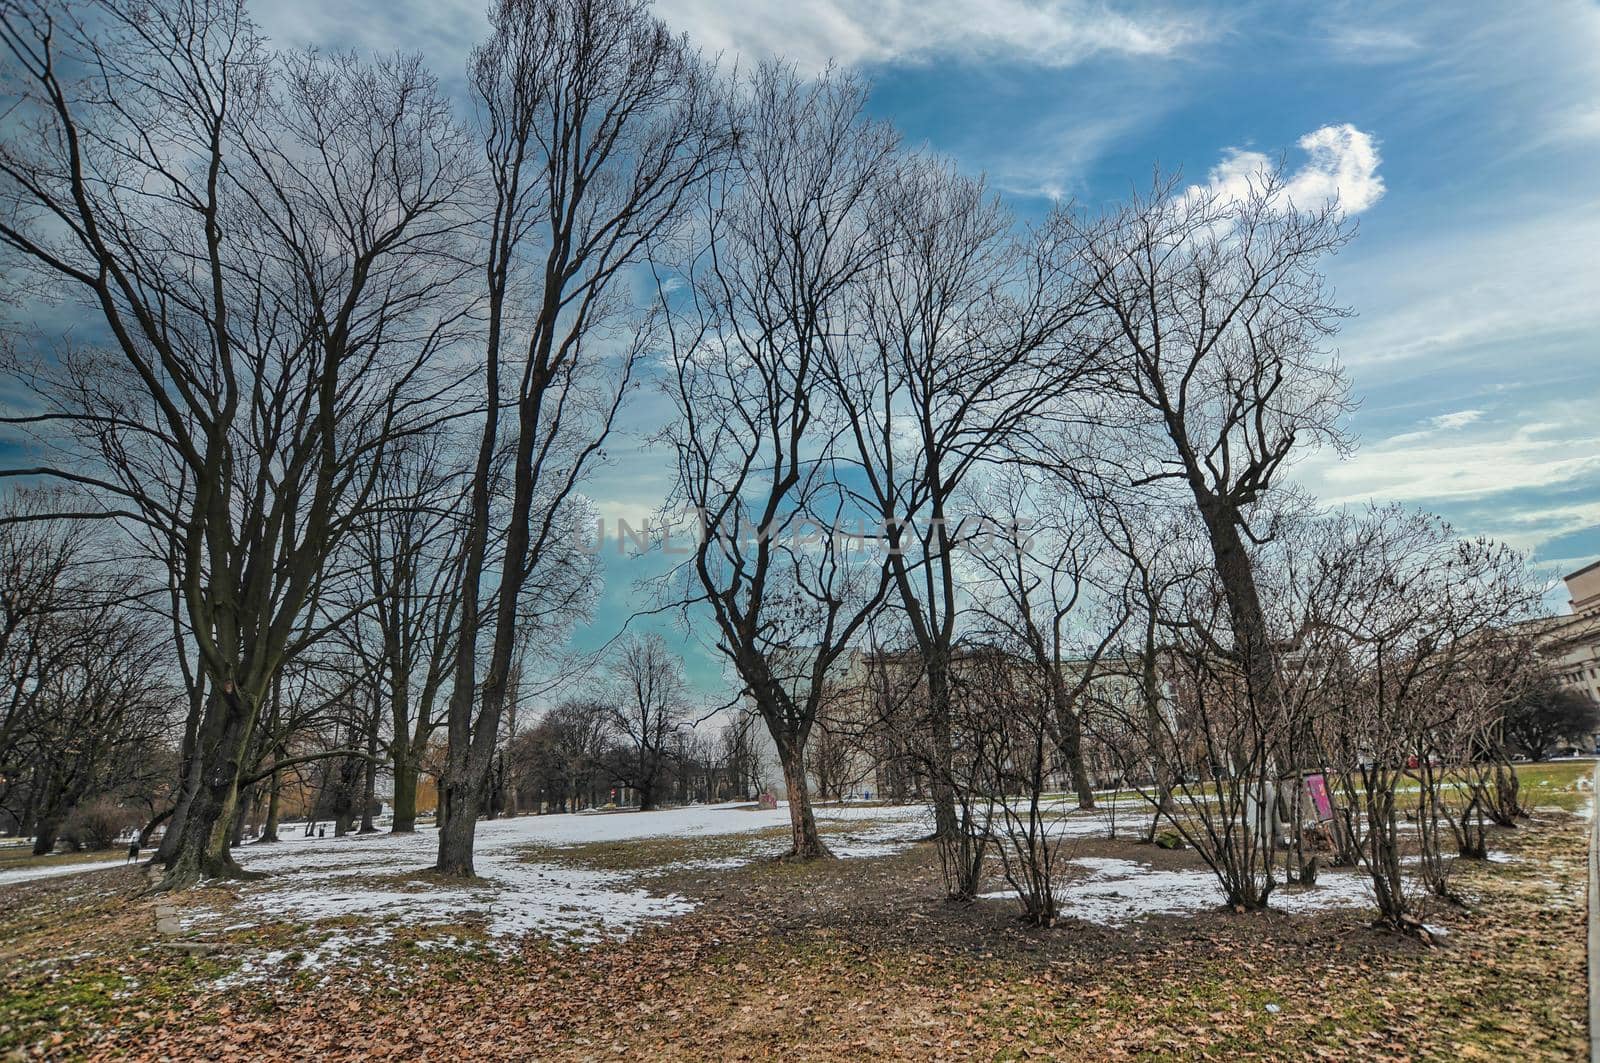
pixel 25 874
pixel 325 878
pixel 1113 892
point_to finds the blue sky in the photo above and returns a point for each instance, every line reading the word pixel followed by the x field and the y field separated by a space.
pixel 1472 147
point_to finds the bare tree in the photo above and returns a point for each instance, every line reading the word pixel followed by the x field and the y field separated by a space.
pixel 961 345
pixel 410 554
pixel 1214 313
pixel 986 695
pixel 1036 557
pixel 1011 730
pixel 1546 713
pixel 83 694
pixel 754 440
pixel 1215 748
pixel 1416 618
pixel 596 124
pixel 648 709
pixel 737 752
pixel 264 241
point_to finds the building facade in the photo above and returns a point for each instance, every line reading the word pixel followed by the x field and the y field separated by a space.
pixel 1571 643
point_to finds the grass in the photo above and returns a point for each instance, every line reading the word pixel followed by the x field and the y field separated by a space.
pixel 1561 783
pixel 1508 986
pixel 661 853
pixel 668 853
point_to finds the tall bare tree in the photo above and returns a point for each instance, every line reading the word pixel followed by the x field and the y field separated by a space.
pixel 410 554
pixel 597 124
pixel 264 240
pixel 648 710
pixel 961 346
pixel 787 239
pixel 1215 314
pixel 1037 558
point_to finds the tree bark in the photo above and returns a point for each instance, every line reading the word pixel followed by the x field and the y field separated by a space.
pixel 1248 621
pixel 458 822
pixel 370 783
pixel 202 849
pixel 269 831
pixel 647 792
pixel 240 813
pixel 945 822
pixel 203 719
pixel 405 793
pixel 808 845
pixel 45 832
pixel 1072 748
pixel 155 821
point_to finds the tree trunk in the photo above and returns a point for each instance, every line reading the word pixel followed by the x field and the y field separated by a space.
pixel 1507 803
pixel 945 823
pixel 458 821
pixel 193 776
pixel 45 833
pixel 1150 694
pixel 1072 748
pixel 155 821
pixel 236 831
pixel 1248 621
pixel 202 847
pixel 647 785
pixel 405 794
pixel 370 783
pixel 808 844
pixel 269 831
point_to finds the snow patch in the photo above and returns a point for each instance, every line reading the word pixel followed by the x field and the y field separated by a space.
pixel 373 877
pixel 28 874
pixel 1113 892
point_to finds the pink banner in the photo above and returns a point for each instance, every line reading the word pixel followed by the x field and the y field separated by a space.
pixel 1317 788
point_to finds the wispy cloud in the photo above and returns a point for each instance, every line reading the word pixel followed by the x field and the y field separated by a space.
pixel 1449 463
pixel 1047 32
pixel 1358 39
pixel 1051 33
pixel 1496 290
pixel 1458 419
pixel 1052 159
pixel 1532 80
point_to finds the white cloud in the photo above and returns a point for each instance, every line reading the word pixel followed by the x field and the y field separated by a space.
pixel 1052 159
pixel 1342 166
pixel 1048 32
pixel 1543 73
pixel 1459 419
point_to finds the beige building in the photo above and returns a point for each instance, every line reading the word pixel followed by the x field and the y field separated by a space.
pixel 1584 588
pixel 1572 642
pixel 869 737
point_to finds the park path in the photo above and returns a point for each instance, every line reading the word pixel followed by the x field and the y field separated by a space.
pixel 26 874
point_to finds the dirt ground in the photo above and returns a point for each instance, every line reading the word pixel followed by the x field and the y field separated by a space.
pixel 847 959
